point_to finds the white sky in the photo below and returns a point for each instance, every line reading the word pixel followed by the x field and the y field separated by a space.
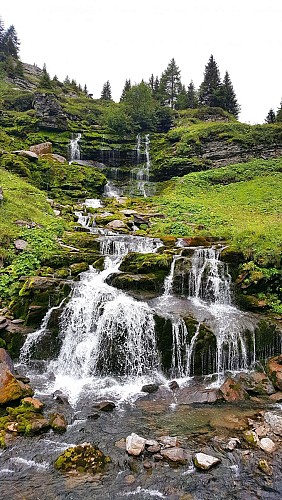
pixel 97 40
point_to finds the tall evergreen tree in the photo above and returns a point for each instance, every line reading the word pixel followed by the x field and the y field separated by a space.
pixel 152 82
pixel 279 113
pixel 210 88
pixel 156 90
pixel 106 94
pixel 126 88
pixel 228 99
pixel 2 34
pixel 270 117
pixel 11 42
pixel 181 100
pixel 192 97
pixel 170 84
pixel 45 80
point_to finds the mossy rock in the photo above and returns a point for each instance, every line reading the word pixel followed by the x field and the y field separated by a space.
pixel 99 264
pixel 145 263
pixel 78 268
pixel 83 458
pixel 149 281
pixel 81 240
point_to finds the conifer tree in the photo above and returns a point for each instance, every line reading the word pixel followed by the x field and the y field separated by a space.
pixel 192 97
pixel 85 90
pixel 270 117
pixel 181 101
pixel 228 100
pixel 45 81
pixel 67 80
pixel 126 88
pixel 170 84
pixel 279 113
pixel 156 90
pixel 152 82
pixel 210 88
pixel 2 33
pixel 11 42
pixel 106 94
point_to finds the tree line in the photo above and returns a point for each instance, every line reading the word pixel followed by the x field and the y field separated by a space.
pixel 9 50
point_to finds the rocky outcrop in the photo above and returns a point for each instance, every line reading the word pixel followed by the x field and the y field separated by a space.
pixel 274 369
pixel 49 112
pixel 11 389
pixel 222 152
pixel 41 149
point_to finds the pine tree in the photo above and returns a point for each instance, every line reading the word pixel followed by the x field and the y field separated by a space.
pixel 85 90
pixel 126 88
pixel 45 81
pixel 271 116
pixel 192 97
pixel 67 80
pixel 152 82
pixel 210 88
pixel 11 44
pixel 106 94
pixel 170 84
pixel 228 99
pixel 2 34
pixel 279 113
pixel 156 90
pixel 181 101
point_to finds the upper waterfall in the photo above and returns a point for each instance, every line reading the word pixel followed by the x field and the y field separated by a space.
pixel 74 149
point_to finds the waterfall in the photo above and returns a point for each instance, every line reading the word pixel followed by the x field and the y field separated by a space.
pixel 74 150
pixel 142 175
pixel 138 147
pixel 182 349
pixel 168 283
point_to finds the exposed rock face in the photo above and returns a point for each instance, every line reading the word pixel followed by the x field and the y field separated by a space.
pixel 205 462
pixel 275 422
pixel 49 112
pixel 41 149
pixel 222 152
pixel 135 444
pixel 274 368
pixel 6 359
pixel 257 383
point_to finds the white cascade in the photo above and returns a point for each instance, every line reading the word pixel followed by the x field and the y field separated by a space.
pixel 182 348
pixel 74 149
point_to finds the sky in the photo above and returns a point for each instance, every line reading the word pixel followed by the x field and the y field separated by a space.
pixel 93 41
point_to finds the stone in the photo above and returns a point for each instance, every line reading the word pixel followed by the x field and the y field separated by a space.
pixel 11 389
pixel 265 467
pixel 150 388
pixel 173 385
pixel 189 395
pixel 82 458
pixel 205 462
pixel 176 455
pixel 20 244
pixel 93 416
pixel 147 464
pixel 121 444
pixel 105 406
pixel 30 155
pixel 276 398
pixel 267 445
pixel 38 425
pixel 128 213
pixel 274 421
pixel 4 324
pixel 251 438
pixel 233 391
pixel 35 403
pixel 158 457
pixel 42 148
pixel 151 442
pixel 54 156
pixel 135 445
pixel 60 397
pixel 17 321
pixel 130 479
pixel 6 359
pixel 257 383
pixel 274 369
pixel 58 422
pixel 168 441
pixel 154 448
pixel 116 225
pixel 12 427
pixel 232 444
pixel 57 212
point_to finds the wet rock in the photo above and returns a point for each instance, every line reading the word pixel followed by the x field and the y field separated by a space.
pixel 205 462
pixel 257 383
pixel 116 225
pixel 276 398
pixel 42 148
pixel 232 444
pixel 11 389
pixel 135 445
pixel 82 458
pixel 267 445
pixel 130 479
pixel 94 416
pixel 147 464
pixel 60 397
pixel 265 467
pixel 190 395
pixel 176 455
pixel 154 448
pixel 150 388
pixel 274 369
pixel 274 421
pixel 58 422
pixel 37 425
pixel 168 441
pixel 158 457
pixel 6 359
pixel 173 385
pixel 30 155
pixel 233 391
pixel 34 403
pixel 105 406
pixel 20 245
pixel 251 438
pixel 121 444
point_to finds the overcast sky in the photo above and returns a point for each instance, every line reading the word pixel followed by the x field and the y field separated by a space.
pixel 93 41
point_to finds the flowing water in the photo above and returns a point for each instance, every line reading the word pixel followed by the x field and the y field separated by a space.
pixel 74 149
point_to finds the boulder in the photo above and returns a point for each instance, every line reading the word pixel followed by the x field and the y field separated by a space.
pixel 3 323
pixel 20 245
pixel 168 441
pixel 150 388
pixel 105 405
pixel 257 383
pixel 54 156
pixel 274 421
pixel 58 422
pixel 135 445
pixel 34 403
pixel 6 359
pixel 232 444
pixel 274 369
pixel 11 389
pixel 27 154
pixel 176 455
pixel 42 149
pixel 116 225
pixel 267 445
pixel 205 462
pixel 233 391
pixel 82 458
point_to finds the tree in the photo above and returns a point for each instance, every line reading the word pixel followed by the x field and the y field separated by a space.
pixel 106 94
pixel 11 44
pixel 45 81
pixel 141 107
pixel 2 34
pixel 170 84
pixel 210 88
pixel 85 90
pixel 126 88
pixel 192 97
pixel 270 117
pixel 228 97
pixel 279 113
pixel 181 101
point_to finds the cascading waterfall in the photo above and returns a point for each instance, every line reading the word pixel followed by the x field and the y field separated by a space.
pixel 182 349
pixel 74 150
pixel 138 147
pixel 142 175
pixel 168 283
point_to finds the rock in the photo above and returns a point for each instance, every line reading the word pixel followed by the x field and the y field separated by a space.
pixel 151 442
pixel 1 195
pixel 232 444
pixel 189 395
pixel 251 438
pixel 158 457
pixel 274 421
pixel 105 405
pixel 276 398
pixel 4 324
pixel 25 223
pixel 20 245
pixel 274 369
pixel 147 464
pixel 168 441
pixel 93 416
pixel 233 391
pixel 205 462
pixel 82 458
pixel 173 385
pixel 60 397
pixel 38 425
pixel 12 427
pixel 257 383
pixel 42 148
pixel 27 154
pixel 150 388
pixel 128 213
pixel 176 455
pixel 267 445
pixel 11 389
pixel 116 225
pixel 130 479
pixel 53 156
pixel 121 444
pixel 58 422
pixel 17 321
pixel 49 112
pixel 57 213
pixel 7 360
pixel 265 467
pixel 34 403
pixel 154 448
pixel 135 445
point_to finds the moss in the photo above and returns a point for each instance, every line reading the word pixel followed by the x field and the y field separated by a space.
pixel 78 268
pixel 145 263
pixel 82 458
pixel 81 240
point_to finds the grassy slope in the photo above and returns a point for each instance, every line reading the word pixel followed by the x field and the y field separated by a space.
pixel 240 203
